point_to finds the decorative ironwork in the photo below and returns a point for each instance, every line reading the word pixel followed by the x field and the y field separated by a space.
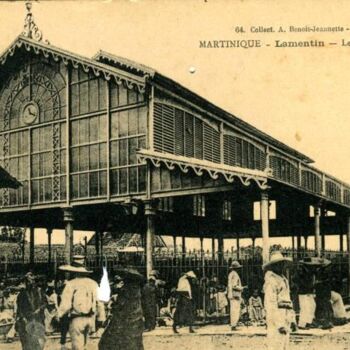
pixel 246 176
pixel 25 79
pixel 119 76
pixel 31 30
pixel 56 161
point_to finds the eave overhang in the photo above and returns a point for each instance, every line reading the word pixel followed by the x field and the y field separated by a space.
pixel 199 167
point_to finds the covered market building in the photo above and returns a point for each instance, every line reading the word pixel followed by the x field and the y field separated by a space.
pixel 107 144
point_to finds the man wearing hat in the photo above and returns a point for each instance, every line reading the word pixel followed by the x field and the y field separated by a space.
pixel 234 293
pixel 79 300
pixel 30 315
pixel 277 302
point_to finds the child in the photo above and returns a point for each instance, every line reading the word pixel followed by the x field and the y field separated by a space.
pixel 256 309
pixel 221 300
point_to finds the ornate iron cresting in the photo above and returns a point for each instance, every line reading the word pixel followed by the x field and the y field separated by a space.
pixel 31 30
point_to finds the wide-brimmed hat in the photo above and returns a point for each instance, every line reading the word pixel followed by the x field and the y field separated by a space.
pixel 235 265
pixel 276 257
pixel 29 276
pixel 315 262
pixel 77 265
pixel 129 273
pixel 191 274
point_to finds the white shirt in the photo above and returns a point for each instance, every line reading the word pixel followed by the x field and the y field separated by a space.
pixel 184 286
pixel 66 305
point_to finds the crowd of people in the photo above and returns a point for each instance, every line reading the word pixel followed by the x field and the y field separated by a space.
pixel 34 308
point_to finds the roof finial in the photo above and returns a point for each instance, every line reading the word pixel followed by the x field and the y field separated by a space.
pixel 31 30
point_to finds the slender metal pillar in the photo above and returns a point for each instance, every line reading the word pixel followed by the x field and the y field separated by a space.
pixel 213 248
pixel 97 247
pixel 202 257
pixel 341 242
pixel 183 249
pixel 264 205
pixel 174 244
pixel 150 213
pixel 220 258
pixel 68 246
pixel 348 249
pixel 317 212
pixel 31 246
pixel 238 247
pixel 305 242
pixel 49 236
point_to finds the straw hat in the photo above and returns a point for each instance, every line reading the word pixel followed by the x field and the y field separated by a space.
pixel 235 265
pixel 315 261
pixel 276 257
pixel 129 273
pixel 77 265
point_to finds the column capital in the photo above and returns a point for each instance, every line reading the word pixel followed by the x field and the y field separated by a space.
pixel 68 214
pixel 264 195
pixel 151 206
pixel 317 210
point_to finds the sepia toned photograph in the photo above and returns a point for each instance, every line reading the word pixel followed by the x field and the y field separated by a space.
pixel 174 175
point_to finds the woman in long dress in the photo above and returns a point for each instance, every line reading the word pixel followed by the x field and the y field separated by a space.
pixel 124 331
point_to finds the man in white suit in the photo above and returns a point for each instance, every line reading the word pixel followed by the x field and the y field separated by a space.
pixel 234 294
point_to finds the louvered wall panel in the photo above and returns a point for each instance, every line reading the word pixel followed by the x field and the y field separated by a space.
pixel 239 152
pixel 158 128
pixel 189 135
pixel 198 138
pixel 311 181
pixel 284 170
pixel 333 191
pixel 179 132
pixel 347 197
pixel 216 147
pixel 168 129
pixel 229 150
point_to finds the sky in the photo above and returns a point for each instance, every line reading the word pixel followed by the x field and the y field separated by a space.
pixel 297 95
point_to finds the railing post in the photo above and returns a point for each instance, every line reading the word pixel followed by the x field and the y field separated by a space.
pixel 348 248
pixel 317 213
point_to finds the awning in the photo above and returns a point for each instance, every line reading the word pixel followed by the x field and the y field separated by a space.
pixel 8 181
pixel 230 173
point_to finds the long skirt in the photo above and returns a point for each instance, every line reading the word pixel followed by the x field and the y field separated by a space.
pixel 324 311
pixel 184 311
pixel 307 309
pixel 122 335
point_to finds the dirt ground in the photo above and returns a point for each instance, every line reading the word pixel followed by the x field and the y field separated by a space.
pixel 220 338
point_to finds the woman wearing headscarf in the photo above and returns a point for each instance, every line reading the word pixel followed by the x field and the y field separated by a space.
pixel 277 302
pixel 183 315
pixel 126 326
